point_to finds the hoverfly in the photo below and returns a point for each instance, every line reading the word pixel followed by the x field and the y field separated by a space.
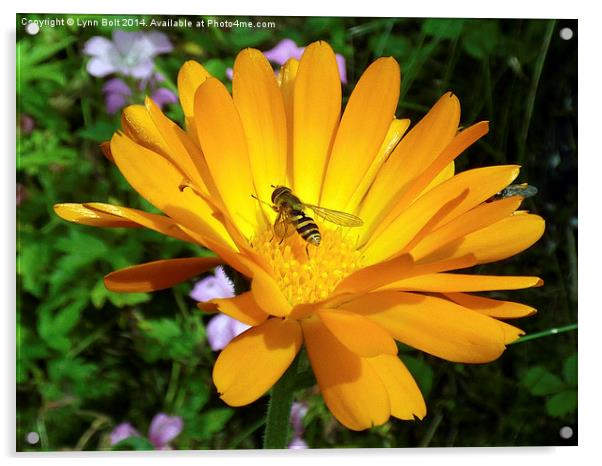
pixel 292 217
pixel 523 190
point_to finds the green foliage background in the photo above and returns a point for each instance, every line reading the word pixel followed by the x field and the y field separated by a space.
pixel 88 359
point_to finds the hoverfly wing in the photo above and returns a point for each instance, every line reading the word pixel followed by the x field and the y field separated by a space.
pixel 523 190
pixel 282 226
pixel 340 218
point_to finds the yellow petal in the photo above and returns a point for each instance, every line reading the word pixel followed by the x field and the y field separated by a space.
pixel 394 270
pixel 148 127
pixel 159 223
pixel 436 326
pixel 316 110
pixel 397 129
pixel 79 213
pixel 288 74
pixel 105 148
pixel 351 387
pixel 357 333
pixel 451 282
pixel 501 240
pixel 375 275
pixel 479 184
pixel 404 395
pixel 259 102
pixel 411 190
pixel 158 275
pixel 190 77
pixel 414 153
pixel 242 307
pixel 475 219
pixel 364 125
pixel 267 294
pixel 443 164
pixel 138 125
pixel 418 219
pixel 492 307
pixel 482 182
pixel 443 175
pixel 255 360
pixel 182 151
pixel 223 143
pixel 157 180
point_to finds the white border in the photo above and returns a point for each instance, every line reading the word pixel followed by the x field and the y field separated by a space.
pixel 590 328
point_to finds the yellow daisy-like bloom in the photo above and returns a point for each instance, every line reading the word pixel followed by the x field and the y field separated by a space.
pixel 348 299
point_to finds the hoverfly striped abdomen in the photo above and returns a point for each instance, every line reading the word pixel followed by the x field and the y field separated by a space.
pixel 306 227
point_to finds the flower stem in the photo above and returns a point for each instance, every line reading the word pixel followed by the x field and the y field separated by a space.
pixel 545 333
pixel 279 409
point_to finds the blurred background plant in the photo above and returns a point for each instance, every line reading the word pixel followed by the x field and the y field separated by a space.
pixel 89 360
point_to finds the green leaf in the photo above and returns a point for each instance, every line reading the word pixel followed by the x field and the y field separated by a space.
pixel 134 443
pixel 540 382
pixel 443 28
pixel 57 155
pixel 98 295
pixel 422 372
pixel 396 46
pixel 170 339
pixel 32 262
pixel 32 54
pixel 216 67
pixel 481 38
pixel 161 330
pixel 29 348
pixel 241 37
pixel 213 421
pixel 54 327
pixel 127 299
pixel 562 403
pixel 81 250
pixel 99 131
pixel 569 370
pixel 80 379
pixel 200 391
pixel 44 72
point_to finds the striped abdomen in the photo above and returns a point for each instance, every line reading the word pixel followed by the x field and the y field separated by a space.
pixel 306 227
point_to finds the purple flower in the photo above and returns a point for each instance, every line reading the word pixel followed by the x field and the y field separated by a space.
pixel 116 93
pixel 286 49
pixel 297 443
pixel 163 429
pixel 342 68
pixel 129 53
pixel 21 194
pixel 123 431
pixel 27 124
pixel 163 96
pixel 298 412
pixel 221 329
pixel 212 287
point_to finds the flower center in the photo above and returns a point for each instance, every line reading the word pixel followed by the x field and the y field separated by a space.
pixel 306 273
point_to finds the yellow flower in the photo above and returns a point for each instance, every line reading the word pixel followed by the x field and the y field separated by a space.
pixel 348 299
